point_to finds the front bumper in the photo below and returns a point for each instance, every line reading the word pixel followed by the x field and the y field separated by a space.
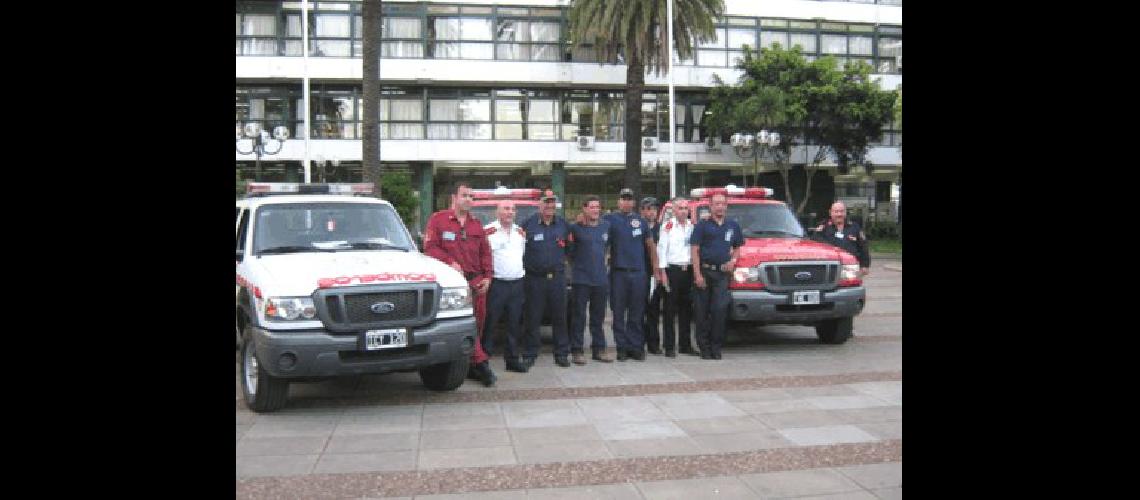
pixel 763 306
pixel 318 353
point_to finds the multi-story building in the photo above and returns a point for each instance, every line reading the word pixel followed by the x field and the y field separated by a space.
pixel 493 92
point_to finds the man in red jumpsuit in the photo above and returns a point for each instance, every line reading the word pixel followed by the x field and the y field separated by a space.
pixel 455 237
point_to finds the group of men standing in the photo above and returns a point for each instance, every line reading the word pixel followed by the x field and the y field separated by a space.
pixel 511 265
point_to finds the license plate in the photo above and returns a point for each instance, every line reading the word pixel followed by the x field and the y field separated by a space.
pixel 385 339
pixel 805 297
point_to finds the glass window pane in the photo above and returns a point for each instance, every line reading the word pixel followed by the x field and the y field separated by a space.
pixel 406 110
pixel 711 58
pixel 260 47
pixel 401 27
pixel 512 52
pixel 510 30
pixel 890 29
pixel 886 65
pixel 890 47
pixel 833 27
pixel 443 131
pixel 804 40
pixel 407 130
pixel 446 29
pixel 293 25
pixel 476 51
pixel 541 132
pixel 862 28
pixel 476 10
pixel 717 43
pixel 512 11
pixel 569 132
pixel 767 38
pixel 774 23
pixel 545 32
pixel 542 110
pixel 442 9
pixel 546 12
pixel 475 110
pixel 508 110
pixel 834 44
pixel 508 132
pixel 735 57
pixel 402 49
pixel 475 29
pixel 475 131
pixel 259 25
pixel 803 25
pixel 861 45
pixel 545 52
pixel 443 110
pixel 331 48
pixel 332 26
pixel 742 21
pixel 445 50
pixel 738 38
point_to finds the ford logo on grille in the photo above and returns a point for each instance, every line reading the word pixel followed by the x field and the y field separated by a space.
pixel 382 307
pixel 803 276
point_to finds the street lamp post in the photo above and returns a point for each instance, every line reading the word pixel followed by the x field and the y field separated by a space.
pixel 747 145
pixel 259 139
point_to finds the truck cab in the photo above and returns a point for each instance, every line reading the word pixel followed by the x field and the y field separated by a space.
pixel 330 284
pixel 781 277
pixel 486 201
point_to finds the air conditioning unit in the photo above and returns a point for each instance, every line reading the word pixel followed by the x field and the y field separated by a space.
pixel 649 143
pixel 712 144
pixel 585 142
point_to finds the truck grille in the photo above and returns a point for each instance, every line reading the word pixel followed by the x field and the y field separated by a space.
pixel 349 309
pixel 782 276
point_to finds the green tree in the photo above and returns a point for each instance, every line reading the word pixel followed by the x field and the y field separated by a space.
pixel 835 112
pixel 398 191
pixel 370 135
pixel 635 32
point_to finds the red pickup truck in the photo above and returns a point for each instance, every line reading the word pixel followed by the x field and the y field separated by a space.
pixel 782 277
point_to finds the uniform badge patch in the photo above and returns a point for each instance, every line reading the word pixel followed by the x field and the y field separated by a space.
pixel 635 223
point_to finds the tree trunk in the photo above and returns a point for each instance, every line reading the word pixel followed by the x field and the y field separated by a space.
pixel 820 154
pixel 635 85
pixel 370 136
pixel 785 173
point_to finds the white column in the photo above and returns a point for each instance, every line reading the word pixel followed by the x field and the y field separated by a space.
pixel 672 104
pixel 305 86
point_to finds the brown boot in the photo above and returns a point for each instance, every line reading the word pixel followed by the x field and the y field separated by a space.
pixel 578 358
pixel 603 356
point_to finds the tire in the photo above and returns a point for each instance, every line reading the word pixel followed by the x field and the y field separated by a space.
pixel 263 392
pixel 835 331
pixel 445 376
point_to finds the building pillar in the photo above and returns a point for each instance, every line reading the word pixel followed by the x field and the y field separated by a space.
pixel 558 183
pixel 427 195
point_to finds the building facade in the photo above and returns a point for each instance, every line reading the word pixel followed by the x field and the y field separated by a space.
pixel 492 92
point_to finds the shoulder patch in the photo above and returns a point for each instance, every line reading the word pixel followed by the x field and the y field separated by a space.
pixel 668 225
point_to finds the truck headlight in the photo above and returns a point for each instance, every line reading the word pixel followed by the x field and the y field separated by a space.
pixel 290 309
pixel 746 274
pixel 455 302
pixel 849 276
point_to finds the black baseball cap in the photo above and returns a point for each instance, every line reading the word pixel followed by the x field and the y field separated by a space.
pixel 650 201
pixel 626 192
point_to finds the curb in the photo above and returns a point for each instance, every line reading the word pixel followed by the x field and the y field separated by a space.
pixel 894 267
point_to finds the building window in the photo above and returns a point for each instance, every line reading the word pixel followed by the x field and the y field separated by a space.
pixel 403 38
pixel 270 107
pixel 462 114
pixel 335 112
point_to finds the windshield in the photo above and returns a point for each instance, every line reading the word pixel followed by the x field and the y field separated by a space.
pixel 486 213
pixel 328 227
pixel 768 220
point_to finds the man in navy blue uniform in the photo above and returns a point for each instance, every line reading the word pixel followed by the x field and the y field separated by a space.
pixel 649 208
pixel 545 283
pixel 715 244
pixel 630 240
pixel 589 283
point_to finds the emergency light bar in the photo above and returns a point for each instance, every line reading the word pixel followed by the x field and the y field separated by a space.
pixel 733 191
pixel 506 193
pixel 267 188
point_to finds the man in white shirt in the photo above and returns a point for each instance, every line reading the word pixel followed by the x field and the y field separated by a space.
pixel 506 296
pixel 675 272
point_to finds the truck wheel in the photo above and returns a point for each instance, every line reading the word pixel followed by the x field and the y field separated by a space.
pixel 445 376
pixel 834 331
pixel 263 393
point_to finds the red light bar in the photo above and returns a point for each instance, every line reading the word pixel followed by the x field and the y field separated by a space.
pixel 732 192
pixel 502 193
pixel 313 188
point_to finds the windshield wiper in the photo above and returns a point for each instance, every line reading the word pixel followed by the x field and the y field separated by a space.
pixel 375 245
pixel 291 249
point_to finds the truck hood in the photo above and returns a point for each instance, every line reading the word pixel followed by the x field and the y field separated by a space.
pixel 300 274
pixel 757 250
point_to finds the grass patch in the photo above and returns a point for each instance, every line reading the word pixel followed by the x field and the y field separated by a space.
pixel 886 246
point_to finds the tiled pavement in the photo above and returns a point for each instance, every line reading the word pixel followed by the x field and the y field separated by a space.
pixel 788 416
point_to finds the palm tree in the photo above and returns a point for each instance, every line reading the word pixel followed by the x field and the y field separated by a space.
pixel 636 31
pixel 370 136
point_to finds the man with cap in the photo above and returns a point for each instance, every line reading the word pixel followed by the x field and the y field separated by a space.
pixel 505 298
pixel 589 238
pixel 547 237
pixel 456 238
pixel 715 244
pixel 649 208
pixel 630 241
